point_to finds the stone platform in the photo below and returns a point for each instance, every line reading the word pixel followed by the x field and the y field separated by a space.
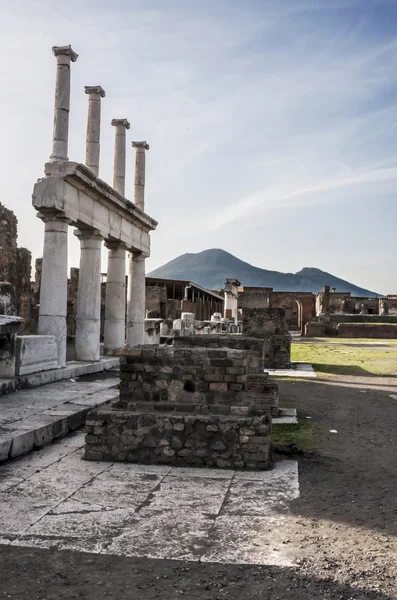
pixel 52 499
pixel 34 418
pixel 185 406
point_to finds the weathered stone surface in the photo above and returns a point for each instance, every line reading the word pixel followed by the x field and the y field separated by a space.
pixel 36 353
pixel 201 442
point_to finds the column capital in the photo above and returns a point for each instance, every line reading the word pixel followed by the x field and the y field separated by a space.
pixel 86 234
pixel 138 255
pixel 143 145
pixel 65 51
pixel 123 122
pixel 52 215
pixel 115 245
pixel 95 89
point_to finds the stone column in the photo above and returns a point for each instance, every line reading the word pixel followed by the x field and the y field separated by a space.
pixel 64 55
pixel 115 298
pixel 88 319
pixel 54 282
pixel 119 154
pixel 136 299
pixel 139 182
pixel 114 337
pixel 92 144
pixel 228 307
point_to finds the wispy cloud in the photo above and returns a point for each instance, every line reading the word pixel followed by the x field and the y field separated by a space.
pixel 250 108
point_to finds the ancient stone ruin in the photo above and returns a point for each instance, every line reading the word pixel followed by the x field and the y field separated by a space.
pixel 183 406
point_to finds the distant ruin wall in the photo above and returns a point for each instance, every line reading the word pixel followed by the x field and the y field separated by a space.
pixel 368 330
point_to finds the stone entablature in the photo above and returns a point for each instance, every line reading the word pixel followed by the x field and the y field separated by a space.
pixel 72 191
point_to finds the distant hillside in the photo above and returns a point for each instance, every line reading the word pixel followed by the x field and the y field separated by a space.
pixel 211 267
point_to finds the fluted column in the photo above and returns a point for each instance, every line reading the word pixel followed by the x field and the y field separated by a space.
pixel 119 154
pixel 114 336
pixel 92 146
pixel 139 181
pixel 136 299
pixel 54 282
pixel 88 319
pixel 64 55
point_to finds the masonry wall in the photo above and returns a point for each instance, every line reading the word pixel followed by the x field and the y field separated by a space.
pixel 269 324
pixel 367 330
pixel 255 347
pixel 179 440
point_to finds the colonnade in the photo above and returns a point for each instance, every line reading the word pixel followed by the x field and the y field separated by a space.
pixel 53 292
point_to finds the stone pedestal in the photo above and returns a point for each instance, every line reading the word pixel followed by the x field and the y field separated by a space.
pixel 88 320
pixel 54 283
pixel 115 299
pixel 136 300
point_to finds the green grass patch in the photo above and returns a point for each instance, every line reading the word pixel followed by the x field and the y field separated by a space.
pixel 304 435
pixel 343 359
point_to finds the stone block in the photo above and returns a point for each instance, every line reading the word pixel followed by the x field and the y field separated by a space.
pixel 5 445
pixel 35 353
pixel 218 387
pixel 22 443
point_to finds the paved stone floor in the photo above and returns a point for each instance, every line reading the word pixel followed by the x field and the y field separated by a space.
pixel 54 499
pixel 35 417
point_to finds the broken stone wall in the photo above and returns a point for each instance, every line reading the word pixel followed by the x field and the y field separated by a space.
pixel 15 269
pixel 271 325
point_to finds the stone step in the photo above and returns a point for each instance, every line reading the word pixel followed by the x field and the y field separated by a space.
pixel 72 370
pixel 34 418
pixel 286 416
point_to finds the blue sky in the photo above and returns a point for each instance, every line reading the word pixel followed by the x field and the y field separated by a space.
pixel 272 123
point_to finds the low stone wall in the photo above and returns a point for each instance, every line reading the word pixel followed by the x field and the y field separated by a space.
pixel 314 329
pixel 255 347
pixel 179 440
pixel 367 330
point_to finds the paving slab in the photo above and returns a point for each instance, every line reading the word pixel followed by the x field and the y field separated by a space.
pixel 53 499
pixel 300 370
pixel 34 418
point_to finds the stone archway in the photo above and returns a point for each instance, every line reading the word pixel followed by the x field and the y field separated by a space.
pixel 302 301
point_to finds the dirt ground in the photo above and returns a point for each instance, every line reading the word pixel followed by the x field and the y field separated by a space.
pixel 342 531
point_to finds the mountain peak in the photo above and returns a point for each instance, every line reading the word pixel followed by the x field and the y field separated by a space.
pixel 310 272
pixel 210 268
